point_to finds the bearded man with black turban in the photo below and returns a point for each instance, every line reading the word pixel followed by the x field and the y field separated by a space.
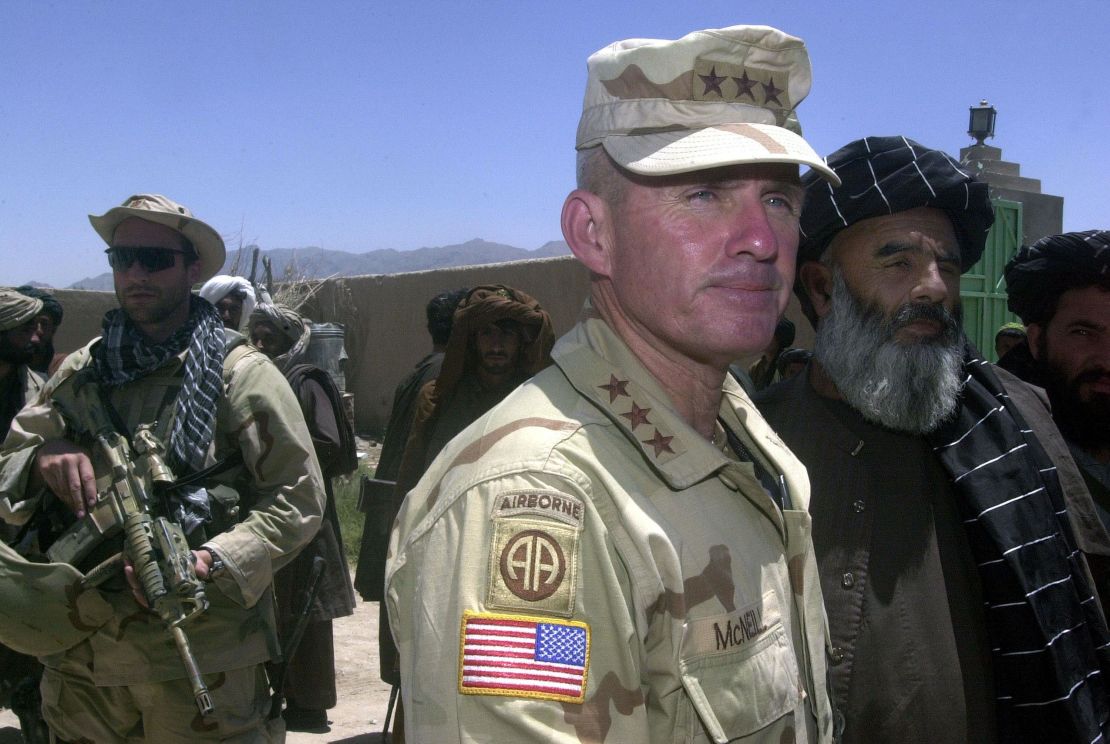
pixel 961 607
pixel 1060 287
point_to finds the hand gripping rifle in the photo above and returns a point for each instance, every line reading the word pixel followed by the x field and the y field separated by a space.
pixel 155 545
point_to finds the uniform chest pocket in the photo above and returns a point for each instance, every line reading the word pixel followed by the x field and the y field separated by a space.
pixel 751 683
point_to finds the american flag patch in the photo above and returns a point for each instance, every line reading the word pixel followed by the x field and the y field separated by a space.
pixel 521 656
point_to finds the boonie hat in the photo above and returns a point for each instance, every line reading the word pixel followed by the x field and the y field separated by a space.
pixel 43 609
pixel 16 309
pixel 712 98
pixel 157 208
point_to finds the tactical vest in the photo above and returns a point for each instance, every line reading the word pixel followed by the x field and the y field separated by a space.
pixel 87 409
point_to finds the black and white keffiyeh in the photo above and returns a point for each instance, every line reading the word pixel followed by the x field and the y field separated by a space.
pixel 1049 643
pixel 124 355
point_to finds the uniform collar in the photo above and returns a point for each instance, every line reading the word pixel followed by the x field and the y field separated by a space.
pixel 604 370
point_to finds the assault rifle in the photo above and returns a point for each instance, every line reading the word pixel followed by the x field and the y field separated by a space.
pixel 154 544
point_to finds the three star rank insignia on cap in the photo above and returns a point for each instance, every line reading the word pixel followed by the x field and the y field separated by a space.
pixel 722 81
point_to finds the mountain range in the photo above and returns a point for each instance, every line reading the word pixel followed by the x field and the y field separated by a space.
pixel 321 263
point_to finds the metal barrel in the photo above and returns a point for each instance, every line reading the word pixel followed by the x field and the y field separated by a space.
pixel 326 351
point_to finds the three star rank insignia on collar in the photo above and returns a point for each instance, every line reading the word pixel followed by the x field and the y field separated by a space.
pixel 616 388
pixel 637 416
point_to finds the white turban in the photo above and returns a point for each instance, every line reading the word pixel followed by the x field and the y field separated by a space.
pixel 220 286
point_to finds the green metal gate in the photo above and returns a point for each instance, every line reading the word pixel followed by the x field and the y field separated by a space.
pixel 984 297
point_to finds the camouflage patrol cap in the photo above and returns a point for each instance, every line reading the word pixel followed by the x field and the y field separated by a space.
pixel 43 611
pixel 712 98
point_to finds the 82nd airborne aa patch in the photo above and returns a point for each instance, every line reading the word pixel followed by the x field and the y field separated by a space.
pixel 533 564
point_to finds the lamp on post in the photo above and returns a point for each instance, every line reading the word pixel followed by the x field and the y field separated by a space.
pixel 981 121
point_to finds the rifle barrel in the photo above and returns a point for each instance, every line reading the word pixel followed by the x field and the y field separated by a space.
pixel 200 690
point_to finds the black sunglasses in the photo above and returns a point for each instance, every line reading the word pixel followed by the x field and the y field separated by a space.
pixel 121 258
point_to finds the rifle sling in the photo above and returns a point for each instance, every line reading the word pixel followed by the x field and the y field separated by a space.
pixel 221 466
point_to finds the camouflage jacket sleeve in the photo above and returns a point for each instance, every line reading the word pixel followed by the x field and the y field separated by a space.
pixel 38 422
pixel 480 664
pixel 261 416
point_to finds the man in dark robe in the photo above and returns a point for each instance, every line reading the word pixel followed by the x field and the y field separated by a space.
pixel 960 606
pixel 309 683
pixel 499 338
pixel 370 572
pixel 1060 286
pixel 44 360
pixel 19 383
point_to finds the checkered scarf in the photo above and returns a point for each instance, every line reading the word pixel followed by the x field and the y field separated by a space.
pixel 124 355
pixel 1049 643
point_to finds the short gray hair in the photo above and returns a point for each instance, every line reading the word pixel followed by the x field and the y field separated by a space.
pixel 596 172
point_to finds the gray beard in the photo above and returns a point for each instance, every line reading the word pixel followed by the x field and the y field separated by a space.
pixel 904 387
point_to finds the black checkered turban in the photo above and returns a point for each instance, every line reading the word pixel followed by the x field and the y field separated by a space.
pixel 885 175
pixel 1038 274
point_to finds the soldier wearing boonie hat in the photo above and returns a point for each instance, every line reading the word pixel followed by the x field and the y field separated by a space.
pixel 203 242
pixel 164 361
pixel 619 551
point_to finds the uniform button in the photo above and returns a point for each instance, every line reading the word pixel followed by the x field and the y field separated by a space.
pixel 848 580
pixel 836 655
pixel 858 505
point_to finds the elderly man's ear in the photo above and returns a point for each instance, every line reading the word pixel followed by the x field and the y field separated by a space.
pixel 586 228
pixel 816 278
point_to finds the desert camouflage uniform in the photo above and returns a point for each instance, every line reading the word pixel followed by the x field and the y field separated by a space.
pixel 32 382
pixel 584 504
pixel 131 658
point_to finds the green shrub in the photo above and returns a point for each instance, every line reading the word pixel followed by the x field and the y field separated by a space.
pixel 346 506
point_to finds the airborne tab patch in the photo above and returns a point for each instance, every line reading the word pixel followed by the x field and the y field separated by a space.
pixel 523 656
pixel 553 504
pixel 533 564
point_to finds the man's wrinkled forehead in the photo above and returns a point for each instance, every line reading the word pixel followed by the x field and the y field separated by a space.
pixel 916 231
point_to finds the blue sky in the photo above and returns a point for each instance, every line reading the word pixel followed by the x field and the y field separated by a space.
pixel 365 125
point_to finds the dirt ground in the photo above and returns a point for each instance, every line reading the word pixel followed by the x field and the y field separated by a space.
pixel 363 698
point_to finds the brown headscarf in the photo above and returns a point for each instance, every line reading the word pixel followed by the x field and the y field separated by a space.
pixel 482 305
pixel 17 308
pixel 489 304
